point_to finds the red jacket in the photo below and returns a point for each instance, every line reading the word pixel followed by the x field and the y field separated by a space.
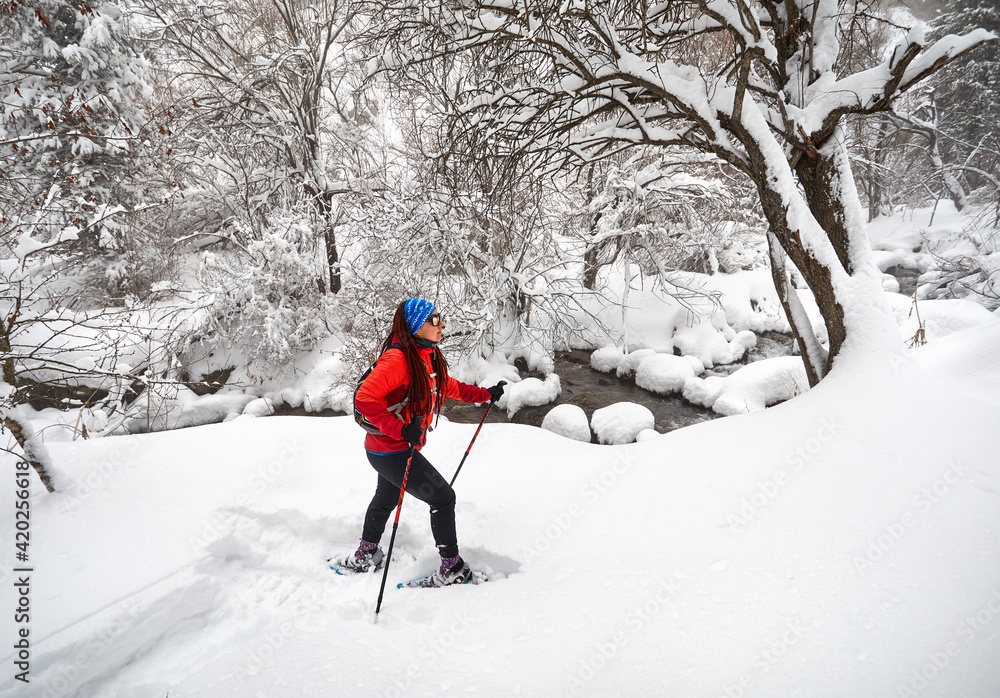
pixel 387 384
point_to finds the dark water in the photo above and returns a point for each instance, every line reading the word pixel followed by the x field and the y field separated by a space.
pixel 591 390
pixel 907 279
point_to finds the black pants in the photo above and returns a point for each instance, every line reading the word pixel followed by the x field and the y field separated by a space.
pixel 426 484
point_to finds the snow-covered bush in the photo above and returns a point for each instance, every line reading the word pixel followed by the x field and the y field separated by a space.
pixel 621 422
pixel 965 264
pixel 670 212
pixel 264 296
pixel 569 421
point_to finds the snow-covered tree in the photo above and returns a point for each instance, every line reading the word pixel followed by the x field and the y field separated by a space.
pixel 964 100
pixel 266 107
pixel 758 85
pixel 474 231
pixel 664 210
pixel 74 97
pixel 263 296
pixel 74 94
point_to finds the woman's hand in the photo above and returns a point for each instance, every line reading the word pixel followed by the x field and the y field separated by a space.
pixel 413 432
pixel 496 392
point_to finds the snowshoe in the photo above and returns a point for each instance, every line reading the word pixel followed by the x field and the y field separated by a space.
pixel 460 573
pixel 368 561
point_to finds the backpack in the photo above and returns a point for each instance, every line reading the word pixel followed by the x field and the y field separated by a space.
pixel 396 409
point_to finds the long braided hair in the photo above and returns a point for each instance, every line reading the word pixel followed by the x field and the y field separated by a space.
pixel 420 399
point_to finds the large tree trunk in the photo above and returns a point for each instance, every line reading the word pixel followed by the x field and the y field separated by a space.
pixel 330 219
pixel 845 283
pixel 591 255
pixel 34 451
pixel 815 357
pixel 876 181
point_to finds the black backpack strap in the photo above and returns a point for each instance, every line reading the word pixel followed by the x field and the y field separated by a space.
pixel 396 409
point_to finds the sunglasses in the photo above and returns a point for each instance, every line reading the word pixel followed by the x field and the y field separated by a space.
pixel 435 319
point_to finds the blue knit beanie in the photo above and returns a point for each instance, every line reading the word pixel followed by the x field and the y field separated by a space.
pixel 416 311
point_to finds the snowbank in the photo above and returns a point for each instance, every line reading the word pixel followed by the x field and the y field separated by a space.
pixel 969 359
pixel 328 385
pixel 843 544
pixel 743 300
pixel 940 317
pixel 162 407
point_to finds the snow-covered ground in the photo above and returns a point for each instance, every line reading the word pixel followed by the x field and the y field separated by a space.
pixel 845 543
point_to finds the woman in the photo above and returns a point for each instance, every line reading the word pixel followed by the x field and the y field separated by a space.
pixel 400 398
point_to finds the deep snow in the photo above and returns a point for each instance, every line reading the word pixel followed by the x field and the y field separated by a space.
pixel 844 543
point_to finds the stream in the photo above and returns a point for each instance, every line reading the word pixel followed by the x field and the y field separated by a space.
pixel 591 390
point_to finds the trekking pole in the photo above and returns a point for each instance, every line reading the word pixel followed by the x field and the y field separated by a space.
pixel 481 422
pixel 395 525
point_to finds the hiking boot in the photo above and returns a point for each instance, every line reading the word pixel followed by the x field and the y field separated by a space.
pixel 362 561
pixel 459 573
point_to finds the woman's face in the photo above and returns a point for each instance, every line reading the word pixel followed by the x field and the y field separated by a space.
pixel 429 332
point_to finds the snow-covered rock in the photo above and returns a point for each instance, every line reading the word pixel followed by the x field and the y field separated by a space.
pixel 631 361
pixel 696 365
pixel 760 384
pixel 606 359
pixel 208 409
pixel 704 391
pixel 531 392
pixel 646 435
pixel 327 386
pixel 261 407
pixel 621 422
pixel 663 373
pixel 890 283
pixel 569 421
pixel 712 345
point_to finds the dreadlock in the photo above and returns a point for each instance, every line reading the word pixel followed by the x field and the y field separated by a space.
pixel 421 401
